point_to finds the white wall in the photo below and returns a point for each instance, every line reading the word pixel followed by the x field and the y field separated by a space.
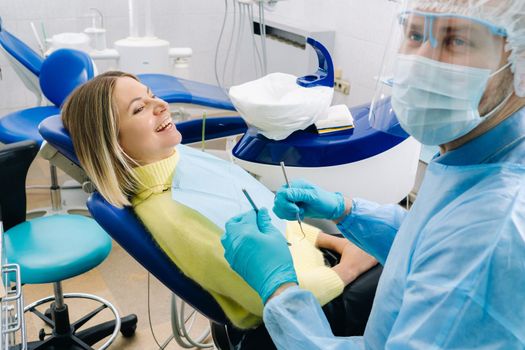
pixel 361 33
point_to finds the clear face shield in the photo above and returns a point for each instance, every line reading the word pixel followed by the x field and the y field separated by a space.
pixel 442 74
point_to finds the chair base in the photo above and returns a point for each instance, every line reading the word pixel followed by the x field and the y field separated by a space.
pixel 66 336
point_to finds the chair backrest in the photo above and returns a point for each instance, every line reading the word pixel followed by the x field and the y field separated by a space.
pixel 26 62
pixel 125 228
pixel 62 72
pixel 20 51
pixel 15 160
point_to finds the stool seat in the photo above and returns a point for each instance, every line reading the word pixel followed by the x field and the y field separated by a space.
pixel 23 125
pixel 83 244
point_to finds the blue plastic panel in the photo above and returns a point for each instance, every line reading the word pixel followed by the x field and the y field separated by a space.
pixel 23 125
pixel 21 52
pixel 128 231
pixel 177 90
pixel 306 148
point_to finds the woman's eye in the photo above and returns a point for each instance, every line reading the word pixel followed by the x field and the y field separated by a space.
pixel 138 110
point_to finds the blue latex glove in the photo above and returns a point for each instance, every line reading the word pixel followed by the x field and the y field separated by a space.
pixel 307 200
pixel 258 252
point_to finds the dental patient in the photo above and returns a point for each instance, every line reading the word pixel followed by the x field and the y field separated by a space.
pixel 127 144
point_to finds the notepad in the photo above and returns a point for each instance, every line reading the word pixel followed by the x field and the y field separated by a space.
pixel 338 118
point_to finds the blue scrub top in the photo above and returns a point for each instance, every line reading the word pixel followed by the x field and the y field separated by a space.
pixel 454 266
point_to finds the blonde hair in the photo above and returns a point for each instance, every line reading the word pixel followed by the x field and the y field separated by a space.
pixel 90 115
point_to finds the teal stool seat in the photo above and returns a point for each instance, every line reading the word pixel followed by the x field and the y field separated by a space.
pixel 53 248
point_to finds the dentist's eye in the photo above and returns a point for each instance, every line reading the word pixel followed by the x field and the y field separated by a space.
pixel 457 42
pixel 415 37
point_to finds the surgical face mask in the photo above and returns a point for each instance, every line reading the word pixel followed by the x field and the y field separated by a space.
pixel 438 102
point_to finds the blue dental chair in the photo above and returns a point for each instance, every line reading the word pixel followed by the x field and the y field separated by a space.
pixel 128 231
pixel 177 90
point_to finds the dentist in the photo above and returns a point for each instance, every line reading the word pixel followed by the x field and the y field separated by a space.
pixel 454 265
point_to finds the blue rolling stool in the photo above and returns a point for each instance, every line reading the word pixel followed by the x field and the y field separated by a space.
pixel 51 249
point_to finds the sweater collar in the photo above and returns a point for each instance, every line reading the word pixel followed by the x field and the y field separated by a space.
pixel 155 177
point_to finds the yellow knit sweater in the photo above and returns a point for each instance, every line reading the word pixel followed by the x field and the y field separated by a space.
pixel 193 243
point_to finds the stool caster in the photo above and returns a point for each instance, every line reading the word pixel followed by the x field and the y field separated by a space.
pixel 42 334
pixel 128 332
pixel 128 326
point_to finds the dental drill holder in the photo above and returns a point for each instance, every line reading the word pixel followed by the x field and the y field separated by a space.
pixel 325 73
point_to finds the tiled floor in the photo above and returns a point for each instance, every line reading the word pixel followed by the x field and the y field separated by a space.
pixel 119 279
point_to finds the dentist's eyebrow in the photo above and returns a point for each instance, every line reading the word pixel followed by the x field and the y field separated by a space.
pixel 148 92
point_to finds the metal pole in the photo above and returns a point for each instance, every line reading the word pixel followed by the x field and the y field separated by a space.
pixel 56 199
pixel 59 295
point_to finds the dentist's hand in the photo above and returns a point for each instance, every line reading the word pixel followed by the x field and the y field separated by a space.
pixel 309 201
pixel 258 252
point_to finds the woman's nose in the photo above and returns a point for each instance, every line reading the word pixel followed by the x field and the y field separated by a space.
pixel 160 107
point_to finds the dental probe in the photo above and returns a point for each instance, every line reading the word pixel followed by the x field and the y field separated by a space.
pixel 288 184
pixel 250 200
pixel 252 203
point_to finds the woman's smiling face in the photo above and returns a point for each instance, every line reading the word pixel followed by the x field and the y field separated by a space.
pixel 146 131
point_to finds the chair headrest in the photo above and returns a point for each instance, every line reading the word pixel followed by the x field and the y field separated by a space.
pixel 62 72
pixel 53 131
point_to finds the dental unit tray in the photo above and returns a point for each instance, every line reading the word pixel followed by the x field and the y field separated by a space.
pixel 359 161
pixel 307 148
